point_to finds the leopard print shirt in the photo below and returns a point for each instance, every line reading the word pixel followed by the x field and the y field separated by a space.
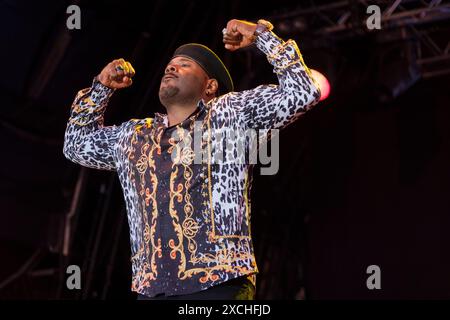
pixel 189 223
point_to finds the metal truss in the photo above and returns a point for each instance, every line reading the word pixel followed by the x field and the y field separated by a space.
pixel 346 19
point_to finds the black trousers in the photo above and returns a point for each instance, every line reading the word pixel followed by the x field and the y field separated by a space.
pixel 236 289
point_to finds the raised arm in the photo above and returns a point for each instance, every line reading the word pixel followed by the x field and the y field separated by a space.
pixel 272 106
pixel 87 142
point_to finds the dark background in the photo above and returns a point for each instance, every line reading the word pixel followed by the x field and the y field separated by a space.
pixel 364 177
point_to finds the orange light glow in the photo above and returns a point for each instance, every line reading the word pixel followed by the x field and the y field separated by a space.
pixel 323 84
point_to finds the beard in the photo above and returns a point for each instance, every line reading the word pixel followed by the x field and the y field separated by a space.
pixel 171 95
pixel 168 95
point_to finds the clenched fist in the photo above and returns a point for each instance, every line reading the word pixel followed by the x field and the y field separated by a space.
pixel 238 34
pixel 117 74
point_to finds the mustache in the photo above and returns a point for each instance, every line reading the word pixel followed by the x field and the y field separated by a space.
pixel 170 75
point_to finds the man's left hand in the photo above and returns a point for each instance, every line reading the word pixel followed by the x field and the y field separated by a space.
pixel 238 34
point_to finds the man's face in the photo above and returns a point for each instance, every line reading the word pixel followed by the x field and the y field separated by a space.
pixel 184 81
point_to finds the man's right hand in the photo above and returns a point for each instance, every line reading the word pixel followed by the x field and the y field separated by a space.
pixel 117 74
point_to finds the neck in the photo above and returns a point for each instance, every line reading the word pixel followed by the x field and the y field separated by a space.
pixel 177 113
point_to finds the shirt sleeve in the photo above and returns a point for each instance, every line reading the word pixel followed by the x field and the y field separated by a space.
pixel 86 141
pixel 277 106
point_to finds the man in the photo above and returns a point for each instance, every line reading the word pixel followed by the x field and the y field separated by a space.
pixel 190 221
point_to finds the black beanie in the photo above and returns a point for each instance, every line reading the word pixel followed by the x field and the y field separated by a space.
pixel 210 62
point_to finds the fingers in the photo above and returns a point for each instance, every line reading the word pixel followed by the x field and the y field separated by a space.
pixel 240 27
pixel 232 47
pixel 126 82
pixel 120 73
pixel 115 70
pixel 122 64
pixel 231 44
pixel 238 34
pixel 131 71
pixel 232 38
pixel 232 27
pixel 121 68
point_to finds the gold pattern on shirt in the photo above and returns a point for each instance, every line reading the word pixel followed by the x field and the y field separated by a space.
pixel 180 192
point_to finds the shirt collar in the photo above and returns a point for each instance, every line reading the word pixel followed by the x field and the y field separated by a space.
pixel 161 119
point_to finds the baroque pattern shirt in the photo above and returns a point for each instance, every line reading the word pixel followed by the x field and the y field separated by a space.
pixel 190 221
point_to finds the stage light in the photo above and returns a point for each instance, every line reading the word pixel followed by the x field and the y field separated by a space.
pixel 323 82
